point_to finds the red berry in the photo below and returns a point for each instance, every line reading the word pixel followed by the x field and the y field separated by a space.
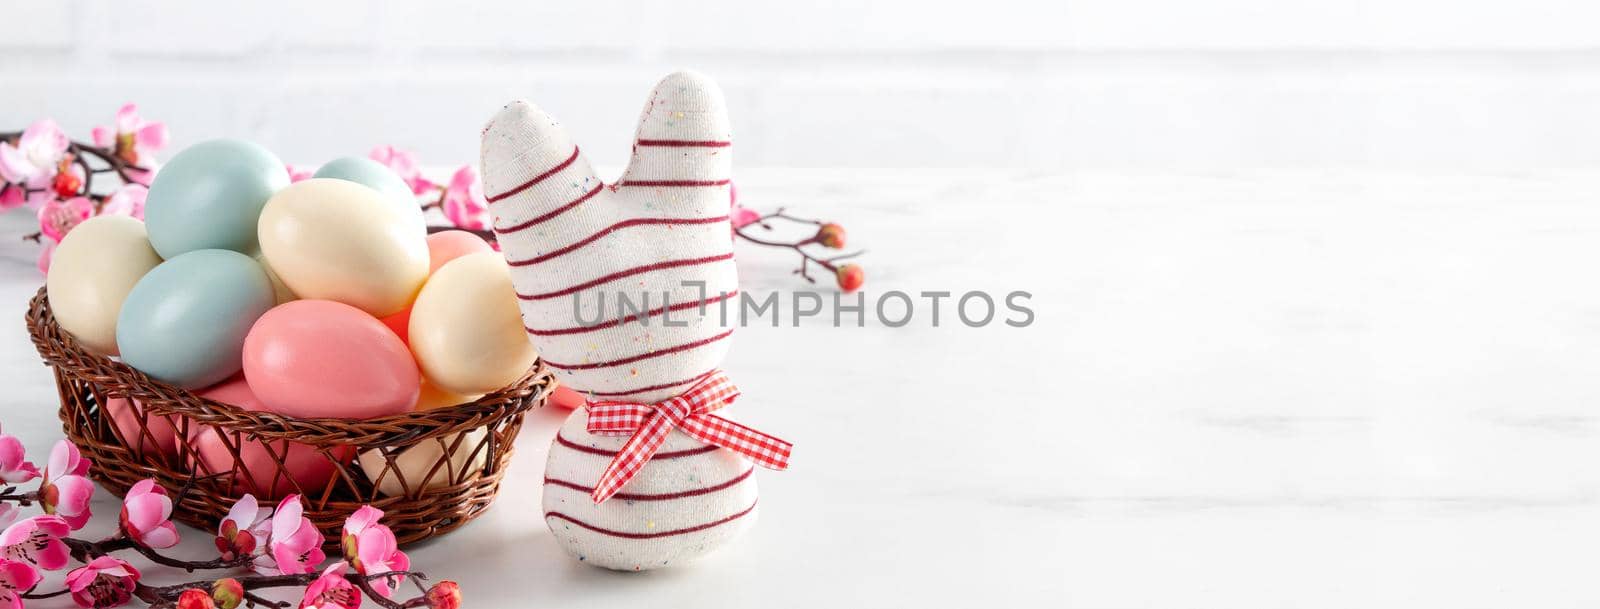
pixel 66 184
pixel 195 598
pixel 851 276
pixel 831 235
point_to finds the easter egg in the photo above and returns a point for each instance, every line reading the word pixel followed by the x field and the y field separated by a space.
pixel 256 469
pixel 186 320
pixel 432 397
pixel 337 240
pixel 414 467
pixel 324 359
pixel 375 175
pixel 448 245
pixel 94 268
pixel 429 464
pixel 466 330
pixel 158 435
pixel 210 195
pixel 400 324
pixel 566 397
pixel 280 293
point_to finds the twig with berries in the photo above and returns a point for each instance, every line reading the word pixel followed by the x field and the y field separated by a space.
pixel 829 235
pixel 281 546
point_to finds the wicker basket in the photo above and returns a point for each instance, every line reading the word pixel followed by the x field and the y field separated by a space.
pixel 447 497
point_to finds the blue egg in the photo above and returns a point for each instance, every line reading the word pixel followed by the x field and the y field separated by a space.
pixel 185 321
pixel 209 197
pixel 379 177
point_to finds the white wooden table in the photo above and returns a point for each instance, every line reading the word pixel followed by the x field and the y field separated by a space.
pixel 1243 389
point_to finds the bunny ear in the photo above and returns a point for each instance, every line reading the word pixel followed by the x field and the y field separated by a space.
pixel 684 140
pixel 532 172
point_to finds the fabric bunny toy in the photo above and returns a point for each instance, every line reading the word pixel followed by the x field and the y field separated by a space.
pixel 645 475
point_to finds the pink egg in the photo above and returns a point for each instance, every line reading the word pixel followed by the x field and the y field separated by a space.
pixel 400 324
pixel 324 359
pixel 159 435
pixel 256 471
pixel 565 397
pixel 445 246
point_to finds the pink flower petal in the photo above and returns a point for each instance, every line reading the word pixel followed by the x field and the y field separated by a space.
pixel 15 166
pixel 163 536
pixel 73 499
pixel 14 467
pixel 151 137
pixel 45 136
pixel 18 575
pixel 362 518
pixel 128 119
pixel 103 137
pixel 11 197
pixel 147 512
pixel 286 519
pixel 63 456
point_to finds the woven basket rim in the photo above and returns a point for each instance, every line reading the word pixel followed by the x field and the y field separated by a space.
pixel 61 350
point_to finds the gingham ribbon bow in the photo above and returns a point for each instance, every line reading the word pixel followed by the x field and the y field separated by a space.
pixel 689 413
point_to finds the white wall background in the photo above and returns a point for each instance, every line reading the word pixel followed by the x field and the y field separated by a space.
pixel 897 83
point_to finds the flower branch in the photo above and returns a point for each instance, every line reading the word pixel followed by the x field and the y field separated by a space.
pixel 280 546
pixel 830 235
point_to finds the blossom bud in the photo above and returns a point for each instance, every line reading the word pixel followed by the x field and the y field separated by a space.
pixel 228 593
pixel 831 235
pixel 444 595
pixel 195 598
pixel 850 277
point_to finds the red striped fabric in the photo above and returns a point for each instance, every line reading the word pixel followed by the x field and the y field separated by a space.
pixel 674 182
pixel 656 535
pixel 686 143
pixel 622 320
pixel 552 213
pixel 667 264
pixel 642 356
pixel 538 178
pixel 657 387
pixel 671 454
pixel 613 228
pixel 694 492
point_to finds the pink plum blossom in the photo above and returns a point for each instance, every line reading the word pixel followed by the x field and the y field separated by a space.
pixel 47 252
pixel 331 591
pixel 298 173
pixel 32 160
pixel 8 514
pixel 37 541
pixel 147 515
pixel 133 139
pixel 739 215
pixel 404 163
pixel 294 545
pixel 126 201
pixel 14 465
pixel 104 582
pixel 57 217
pixel 66 491
pixel 463 202
pixel 743 216
pixel 11 196
pixel 370 548
pixel 244 531
pixel 15 579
